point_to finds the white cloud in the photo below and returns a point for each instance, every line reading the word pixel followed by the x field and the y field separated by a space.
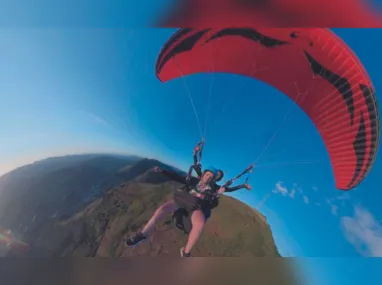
pixel 280 189
pixel 333 209
pixel 95 118
pixel 315 188
pixel 344 196
pixel 100 120
pixel 317 204
pixel 364 232
pixel 337 203
pixel 343 199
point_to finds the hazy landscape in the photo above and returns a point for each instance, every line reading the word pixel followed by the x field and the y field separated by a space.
pixel 87 205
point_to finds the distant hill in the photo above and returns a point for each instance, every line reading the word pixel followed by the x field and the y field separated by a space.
pixel 88 205
pixel 56 163
pixel 56 187
pixel 143 171
pixel 101 229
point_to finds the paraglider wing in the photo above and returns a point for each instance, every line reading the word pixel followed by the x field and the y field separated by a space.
pixel 312 66
pixel 10 246
pixel 271 13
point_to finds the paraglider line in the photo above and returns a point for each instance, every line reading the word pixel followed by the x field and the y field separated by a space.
pixel 210 90
pixel 233 97
pixel 190 97
pixel 276 133
pixel 278 129
pixel 262 202
pixel 276 153
pixel 289 163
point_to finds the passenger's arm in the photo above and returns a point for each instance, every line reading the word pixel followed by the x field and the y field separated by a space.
pixel 238 187
pixel 172 175
pixel 235 188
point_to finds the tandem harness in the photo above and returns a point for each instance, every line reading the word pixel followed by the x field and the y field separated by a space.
pixel 192 198
pixel 188 203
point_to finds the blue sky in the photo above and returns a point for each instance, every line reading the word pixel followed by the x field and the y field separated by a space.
pixel 94 90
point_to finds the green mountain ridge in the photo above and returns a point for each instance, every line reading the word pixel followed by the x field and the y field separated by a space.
pixel 112 197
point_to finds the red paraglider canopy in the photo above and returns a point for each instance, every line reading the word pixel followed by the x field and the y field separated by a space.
pixel 272 13
pixel 312 66
pixel 12 247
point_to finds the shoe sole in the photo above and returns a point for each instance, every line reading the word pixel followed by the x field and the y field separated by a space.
pixel 134 245
pixel 181 253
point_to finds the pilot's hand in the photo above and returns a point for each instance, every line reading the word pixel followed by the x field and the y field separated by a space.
pixel 157 169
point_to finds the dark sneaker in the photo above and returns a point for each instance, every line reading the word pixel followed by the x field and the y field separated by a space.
pixel 183 253
pixel 135 240
pixel 178 218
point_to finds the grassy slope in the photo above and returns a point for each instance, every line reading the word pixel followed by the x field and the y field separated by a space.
pixel 103 219
pixel 234 229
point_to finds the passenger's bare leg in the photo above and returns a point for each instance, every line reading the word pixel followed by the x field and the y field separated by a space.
pixel 198 221
pixel 166 208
